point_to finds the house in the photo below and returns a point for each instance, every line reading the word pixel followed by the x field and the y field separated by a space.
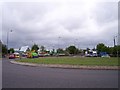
pixel 91 53
pixel 24 49
pixel 16 50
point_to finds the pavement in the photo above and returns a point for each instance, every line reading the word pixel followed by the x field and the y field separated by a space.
pixel 20 76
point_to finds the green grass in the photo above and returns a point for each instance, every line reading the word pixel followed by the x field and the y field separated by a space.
pixel 88 61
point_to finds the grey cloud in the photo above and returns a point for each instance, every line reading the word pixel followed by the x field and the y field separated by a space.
pixel 73 23
pixel 106 12
pixel 43 23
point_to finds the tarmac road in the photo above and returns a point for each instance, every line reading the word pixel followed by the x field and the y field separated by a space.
pixel 17 76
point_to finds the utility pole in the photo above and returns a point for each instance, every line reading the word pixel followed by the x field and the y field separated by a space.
pixel 114 41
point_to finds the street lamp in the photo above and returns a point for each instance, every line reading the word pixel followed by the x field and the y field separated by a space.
pixel 8 39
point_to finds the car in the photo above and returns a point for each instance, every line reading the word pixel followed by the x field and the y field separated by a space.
pixel 11 56
pixel 17 55
pixel 41 55
pixel 105 55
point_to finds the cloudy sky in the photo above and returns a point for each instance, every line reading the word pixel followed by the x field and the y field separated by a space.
pixel 59 23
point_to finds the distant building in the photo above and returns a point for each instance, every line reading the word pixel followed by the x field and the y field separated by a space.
pixel 16 50
pixel 91 53
pixel 24 48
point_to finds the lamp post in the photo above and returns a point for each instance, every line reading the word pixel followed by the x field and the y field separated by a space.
pixel 8 40
pixel 58 45
pixel 59 42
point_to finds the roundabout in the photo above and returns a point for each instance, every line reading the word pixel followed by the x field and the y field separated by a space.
pixel 68 66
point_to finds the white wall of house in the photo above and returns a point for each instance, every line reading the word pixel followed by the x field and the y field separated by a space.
pixel 24 48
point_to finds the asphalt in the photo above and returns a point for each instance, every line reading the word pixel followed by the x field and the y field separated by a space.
pixel 18 76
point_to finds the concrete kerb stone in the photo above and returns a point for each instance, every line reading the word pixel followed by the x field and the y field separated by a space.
pixel 69 66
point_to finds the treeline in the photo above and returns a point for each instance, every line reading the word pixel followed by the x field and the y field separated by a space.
pixel 72 50
pixel 112 51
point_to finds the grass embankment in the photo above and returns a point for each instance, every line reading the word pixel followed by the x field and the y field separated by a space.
pixel 85 61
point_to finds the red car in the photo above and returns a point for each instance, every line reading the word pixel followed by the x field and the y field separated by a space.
pixel 11 56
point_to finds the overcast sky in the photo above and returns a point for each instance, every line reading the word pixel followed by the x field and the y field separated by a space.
pixel 60 23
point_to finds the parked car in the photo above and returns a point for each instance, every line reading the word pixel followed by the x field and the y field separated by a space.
pixel 43 54
pixel 11 56
pixel 105 55
pixel 17 55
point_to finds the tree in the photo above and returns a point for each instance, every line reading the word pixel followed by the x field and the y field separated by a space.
pixel 80 51
pixel 72 50
pixel 118 49
pixel 112 51
pixel 100 47
pixel 4 49
pixel 87 49
pixel 42 49
pixel 60 50
pixel 28 50
pixel 105 49
pixel 35 47
pixel 11 50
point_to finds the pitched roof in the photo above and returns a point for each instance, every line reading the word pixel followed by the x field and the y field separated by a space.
pixel 24 48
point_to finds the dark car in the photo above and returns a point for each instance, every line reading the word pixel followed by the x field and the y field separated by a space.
pixel 11 56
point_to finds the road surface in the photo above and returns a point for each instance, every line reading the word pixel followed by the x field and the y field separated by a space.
pixel 17 76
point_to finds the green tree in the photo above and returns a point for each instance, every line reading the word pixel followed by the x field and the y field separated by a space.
pixel 11 50
pixel 112 51
pixel 4 49
pixel 105 49
pixel 35 47
pixel 72 50
pixel 102 48
pixel 42 49
pixel 60 50
pixel 118 49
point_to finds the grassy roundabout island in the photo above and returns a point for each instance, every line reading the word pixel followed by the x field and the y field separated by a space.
pixel 79 61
